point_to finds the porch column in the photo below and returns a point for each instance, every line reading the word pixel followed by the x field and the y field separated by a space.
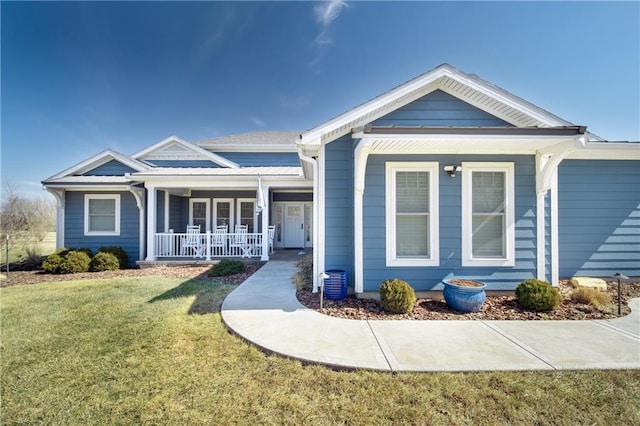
pixel 361 154
pixel 151 222
pixel 59 195
pixel 265 224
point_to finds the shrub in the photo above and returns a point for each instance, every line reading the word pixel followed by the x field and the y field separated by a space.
pixel 227 267
pixel 397 296
pixel 52 263
pixel 303 279
pixel 538 295
pixel 75 262
pixel 119 253
pixel 104 261
pixel 590 296
pixel 84 250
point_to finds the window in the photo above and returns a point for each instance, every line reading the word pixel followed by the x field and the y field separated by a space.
pixel 412 214
pixel 223 212
pixel 488 214
pixel 199 213
pixel 247 213
pixel 102 214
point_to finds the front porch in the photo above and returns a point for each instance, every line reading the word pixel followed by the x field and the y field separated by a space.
pixel 208 245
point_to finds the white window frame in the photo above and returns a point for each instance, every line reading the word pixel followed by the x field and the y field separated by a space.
pixel 87 199
pixel 231 211
pixel 509 211
pixel 391 169
pixel 239 202
pixel 207 202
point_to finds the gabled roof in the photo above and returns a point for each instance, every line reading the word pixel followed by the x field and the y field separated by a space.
pixel 98 160
pixel 265 140
pixel 175 148
pixel 467 87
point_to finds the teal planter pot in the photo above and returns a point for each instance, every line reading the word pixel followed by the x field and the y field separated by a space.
pixel 464 298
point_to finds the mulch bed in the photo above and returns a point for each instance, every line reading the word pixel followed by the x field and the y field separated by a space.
pixel 198 272
pixel 494 308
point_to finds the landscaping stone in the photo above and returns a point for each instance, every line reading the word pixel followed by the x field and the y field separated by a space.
pixel 597 283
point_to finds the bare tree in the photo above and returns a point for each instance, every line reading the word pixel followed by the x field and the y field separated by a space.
pixel 25 218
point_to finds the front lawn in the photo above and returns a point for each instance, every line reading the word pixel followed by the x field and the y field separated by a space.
pixel 154 350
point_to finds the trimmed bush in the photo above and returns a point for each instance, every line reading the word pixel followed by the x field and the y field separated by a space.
pixel 590 296
pixel 104 261
pixel 75 262
pixel 119 253
pixel 538 295
pixel 303 279
pixel 84 250
pixel 52 263
pixel 397 296
pixel 227 267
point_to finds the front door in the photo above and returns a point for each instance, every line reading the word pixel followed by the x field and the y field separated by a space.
pixel 294 226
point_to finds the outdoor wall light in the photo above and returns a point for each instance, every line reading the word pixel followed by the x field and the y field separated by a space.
pixel 619 277
pixel 452 170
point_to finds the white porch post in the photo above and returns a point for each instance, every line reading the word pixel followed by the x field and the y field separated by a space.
pixel 265 224
pixel 555 242
pixel 151 222
pixel 59 195
pixel 361 154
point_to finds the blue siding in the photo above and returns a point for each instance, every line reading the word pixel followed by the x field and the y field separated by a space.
pixel 110 168
pixel 440 109
pixel 177 218
pixel 160 211
pixel 599 217
pixel 184 163
pixel 256 159
pixel 129 225
pixel 429 278
pixel 338 206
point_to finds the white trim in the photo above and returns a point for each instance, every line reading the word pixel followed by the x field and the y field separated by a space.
pixel 207 202
pixel 360 156
pixel 321 246
pixel 509 212
pixel 264 215
pixel 59 195
pixel 97 161
pixel 607 151
pixel 239 212
pixel 391 168
pixel 151 222
pixel 138 194
pixel 316 216
pixel 203 153
pixel 231 211
pixel 555 242
pixel 116 199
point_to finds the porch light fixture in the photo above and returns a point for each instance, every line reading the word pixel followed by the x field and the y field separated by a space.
pixel 452 170
pixel 619 277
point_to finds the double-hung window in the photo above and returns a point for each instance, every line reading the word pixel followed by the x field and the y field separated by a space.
pixel 488 214
pixel 412 214
pixel 199 213
pixel 102 214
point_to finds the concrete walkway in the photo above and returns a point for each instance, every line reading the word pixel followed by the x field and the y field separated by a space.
pixel 264 310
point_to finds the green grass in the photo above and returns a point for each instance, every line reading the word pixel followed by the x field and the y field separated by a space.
pixel 154 351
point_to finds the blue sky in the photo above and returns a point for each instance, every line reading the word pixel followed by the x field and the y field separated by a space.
pixel 78 78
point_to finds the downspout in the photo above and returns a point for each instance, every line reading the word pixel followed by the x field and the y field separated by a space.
pixel 318 245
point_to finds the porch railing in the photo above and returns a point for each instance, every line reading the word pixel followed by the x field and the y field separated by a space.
pixel 208 245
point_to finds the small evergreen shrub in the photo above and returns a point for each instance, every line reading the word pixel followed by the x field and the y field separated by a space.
pixel 303 279
pixel 119 253
pixel 52 263
pixel 227 267
pixel 590 296
pixel 75 262
pixel 538 295
pixel 84 250
pixel 397 296
pixel 104 261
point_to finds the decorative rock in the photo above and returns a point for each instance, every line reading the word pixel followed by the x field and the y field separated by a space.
pixel 597 283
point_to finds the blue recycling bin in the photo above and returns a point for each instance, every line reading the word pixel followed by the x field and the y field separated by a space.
pixel 335 287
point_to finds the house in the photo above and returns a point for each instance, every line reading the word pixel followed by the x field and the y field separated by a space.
pixel 445 175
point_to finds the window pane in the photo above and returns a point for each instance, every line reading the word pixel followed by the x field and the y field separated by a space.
pixel 412 192
pixel 412 236
pixel 223 213
pixel 102 223
pixel 246 214
pixel 488 192
pixel 98 206
pixel 488 235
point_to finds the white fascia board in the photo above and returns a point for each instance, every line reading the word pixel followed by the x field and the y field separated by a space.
pixel 98 160
pixel 93 188
pixel 191 147
pixel 607 151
